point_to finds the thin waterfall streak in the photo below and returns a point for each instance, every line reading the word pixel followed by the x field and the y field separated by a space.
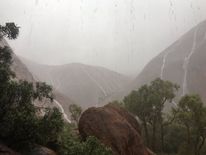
pixel 59 105
pixel 162 72
pixel 186 63
pixel 163 65
pixel 174 103
pixel 98 85
pixel 62 111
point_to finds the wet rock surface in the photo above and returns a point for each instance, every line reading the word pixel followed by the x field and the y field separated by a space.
pixel 114 127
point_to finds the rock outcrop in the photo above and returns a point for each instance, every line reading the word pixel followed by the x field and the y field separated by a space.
pixel 114 127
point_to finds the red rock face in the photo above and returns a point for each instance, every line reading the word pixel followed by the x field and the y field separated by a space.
pixel 114 127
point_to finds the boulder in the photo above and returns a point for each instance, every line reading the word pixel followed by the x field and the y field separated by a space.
pixel 114 127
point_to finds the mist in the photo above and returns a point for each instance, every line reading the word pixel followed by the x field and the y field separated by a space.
pixel 121 35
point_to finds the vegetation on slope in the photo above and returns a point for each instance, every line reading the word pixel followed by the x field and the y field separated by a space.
pixel 24 125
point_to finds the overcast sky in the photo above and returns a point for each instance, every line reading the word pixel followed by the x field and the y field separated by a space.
pixel 122 35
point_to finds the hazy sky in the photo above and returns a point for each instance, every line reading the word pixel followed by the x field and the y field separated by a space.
pixel 122 35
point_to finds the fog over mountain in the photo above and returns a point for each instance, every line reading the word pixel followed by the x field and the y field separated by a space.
pixel 84 84
pixel 116 34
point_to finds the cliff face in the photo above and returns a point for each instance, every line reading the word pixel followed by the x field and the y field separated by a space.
pixel 184 63
pixel 114 127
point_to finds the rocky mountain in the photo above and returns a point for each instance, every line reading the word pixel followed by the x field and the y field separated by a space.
pixel 86 85
pixel 22 73
pixel 184 63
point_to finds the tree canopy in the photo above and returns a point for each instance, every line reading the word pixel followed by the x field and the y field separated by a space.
pixel 181 130
pixel 10 30
pixel 148 103
pixel 75 111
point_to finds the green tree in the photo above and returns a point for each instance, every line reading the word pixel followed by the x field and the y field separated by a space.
pixel 92 146
pixel 161 92
pixel 174 138
pixel 138 102
pixel 148 103
pixel 192 115
pixel 5 74
pixel 69 143
pixel 20 124
pixel 50 127
pixel 76 112
pixel 10 30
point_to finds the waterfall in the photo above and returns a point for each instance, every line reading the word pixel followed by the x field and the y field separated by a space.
pixel 62 110
pixel 163 65
pixel 162 71
pixel 174 103
pixel 58 104
pixel 186 63
pixel 98 85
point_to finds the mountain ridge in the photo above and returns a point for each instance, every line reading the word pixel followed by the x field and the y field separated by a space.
pixel 85 84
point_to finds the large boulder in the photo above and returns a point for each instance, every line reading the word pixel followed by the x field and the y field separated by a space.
pixel 114 127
